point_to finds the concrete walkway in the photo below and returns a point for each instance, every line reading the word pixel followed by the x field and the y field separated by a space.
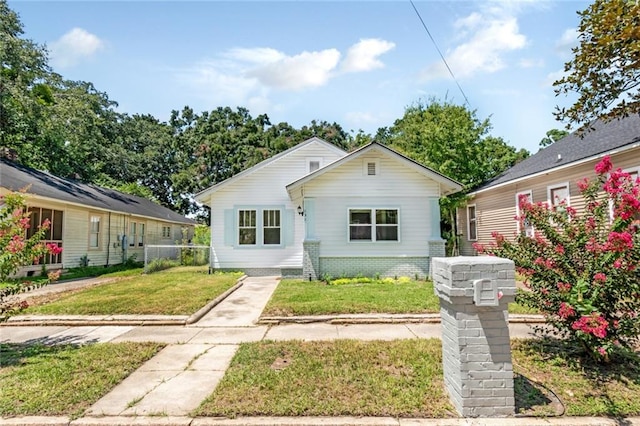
pixel 173 383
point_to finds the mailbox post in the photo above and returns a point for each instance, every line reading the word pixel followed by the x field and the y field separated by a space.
pixel 474 294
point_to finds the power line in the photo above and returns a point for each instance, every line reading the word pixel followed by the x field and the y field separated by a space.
pixel 440 53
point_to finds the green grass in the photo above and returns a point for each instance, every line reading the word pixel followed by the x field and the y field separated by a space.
pixel 297 297
pixel 176 291
pixel 584 387
pixel 345 377
pixel 403 378
pixel 64 380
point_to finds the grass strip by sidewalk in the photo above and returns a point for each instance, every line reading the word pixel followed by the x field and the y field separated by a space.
pixel 65 379
pixel 344 377
pixel 403 378
pixel 298 297
pixel 176 291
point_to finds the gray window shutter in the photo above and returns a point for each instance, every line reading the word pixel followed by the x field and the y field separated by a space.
pixel 289 226
pixel 229 227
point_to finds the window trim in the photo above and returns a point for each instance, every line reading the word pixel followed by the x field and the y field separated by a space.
pixel 139 231
pixel 633 169
pixel 167 235
pixel 254 227
pixel 265 227
pixel 309 160
pixel 551 188
pixel 373 225
pixel 365 166
pixel 529 192
pixel 475 221
pixel 98 245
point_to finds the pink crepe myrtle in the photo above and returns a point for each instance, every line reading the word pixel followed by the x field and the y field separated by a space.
pixel 580 268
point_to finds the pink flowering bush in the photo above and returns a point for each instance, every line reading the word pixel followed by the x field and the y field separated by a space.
pixel 17 250
pixel 582 269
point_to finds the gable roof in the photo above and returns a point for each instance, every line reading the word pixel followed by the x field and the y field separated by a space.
pixel 615 135
pixel 16 177
pixel 449 185
pixel 201 196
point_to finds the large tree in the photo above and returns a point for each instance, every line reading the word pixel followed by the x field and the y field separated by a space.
pixel 450 139
pixel 24 84
pixel 552 136
pixel 605 69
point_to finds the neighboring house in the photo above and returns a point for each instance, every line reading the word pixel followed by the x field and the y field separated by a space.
pixel 89 222
pixel 315 210
pixel 549 176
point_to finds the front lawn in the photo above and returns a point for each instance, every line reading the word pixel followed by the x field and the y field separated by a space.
pixel 345 377
pixel 298 297
pixel 39 380
pixel 176 291
pixel 349 296
pixel 403 378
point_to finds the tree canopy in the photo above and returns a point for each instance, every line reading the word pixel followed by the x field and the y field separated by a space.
pixel 72 129
pixel 552 136
pixel 605 69
pixel 451 139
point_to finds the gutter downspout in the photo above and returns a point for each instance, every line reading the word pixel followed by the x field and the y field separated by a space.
pixel 108 238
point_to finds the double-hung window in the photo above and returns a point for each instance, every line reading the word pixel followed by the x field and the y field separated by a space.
pixel 472 230
pixel 136 234
pixel 271 227
pixel 166 232
pixel 523 224
pixel 558 195
pixel 247 227
pixel 373 224
pixel 94 232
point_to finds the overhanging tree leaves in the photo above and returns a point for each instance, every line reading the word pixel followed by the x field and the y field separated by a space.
pixel 450 139
pixel 605 69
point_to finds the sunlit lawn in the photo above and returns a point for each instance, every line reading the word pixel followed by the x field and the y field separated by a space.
pixel 64 380
pixel 298 297
pixel 176 291
pixel 403 378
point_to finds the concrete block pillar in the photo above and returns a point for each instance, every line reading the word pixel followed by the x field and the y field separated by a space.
pixel 474 293
pixel 310 259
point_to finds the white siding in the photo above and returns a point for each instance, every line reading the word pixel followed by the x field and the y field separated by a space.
pixel 396 186
pixel 264 187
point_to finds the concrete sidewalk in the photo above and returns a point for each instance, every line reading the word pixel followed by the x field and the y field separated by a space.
pixel 173 383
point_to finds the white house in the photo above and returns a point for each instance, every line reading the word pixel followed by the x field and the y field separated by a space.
pixel 94 226
pixel 314 210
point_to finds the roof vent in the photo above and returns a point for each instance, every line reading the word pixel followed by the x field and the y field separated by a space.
pixel 559 158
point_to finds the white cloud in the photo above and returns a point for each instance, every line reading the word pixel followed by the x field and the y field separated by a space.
pixel 553 77
pixel 488 37
pixel 307 69
pixel 566 42
pixel 363 56
pixel 531 63
pixel 73 47
pixel 248 76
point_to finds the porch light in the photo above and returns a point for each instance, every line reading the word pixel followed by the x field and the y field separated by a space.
pixel 300 211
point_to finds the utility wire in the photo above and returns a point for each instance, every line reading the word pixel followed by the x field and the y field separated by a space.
pixel 440 53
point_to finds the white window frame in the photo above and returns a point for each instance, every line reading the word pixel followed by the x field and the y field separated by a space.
pixel 629 170
pixel 267 225
pixel 254 226
pixel 166 232
pixel 365 166
pixel 97 232
pixel 474 220
pixel 530 230
pixel 551 188
pixel 310 160
pixel 137 231
pixel 373 225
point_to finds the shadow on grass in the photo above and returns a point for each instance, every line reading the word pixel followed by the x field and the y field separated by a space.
pixel 579 383
pixel 12 354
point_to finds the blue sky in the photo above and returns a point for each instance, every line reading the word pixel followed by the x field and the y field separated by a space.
pixel 358 63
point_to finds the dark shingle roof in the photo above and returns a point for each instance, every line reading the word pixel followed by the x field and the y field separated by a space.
pixel 605 138
pixel 15 177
